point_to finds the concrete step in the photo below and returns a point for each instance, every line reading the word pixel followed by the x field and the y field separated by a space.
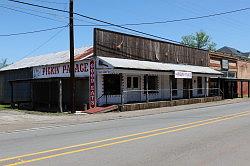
pixel 101 109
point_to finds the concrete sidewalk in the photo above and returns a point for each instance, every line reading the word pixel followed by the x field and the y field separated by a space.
pixel 11 120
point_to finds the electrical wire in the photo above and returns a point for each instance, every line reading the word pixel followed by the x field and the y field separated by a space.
pixel 177 20
pixel 9 8
pixel 52 2
pixel 31 32
pixel 98 20
pixel 44 43
pixel 133 24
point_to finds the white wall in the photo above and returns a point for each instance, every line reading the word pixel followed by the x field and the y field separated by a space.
pixel 140 96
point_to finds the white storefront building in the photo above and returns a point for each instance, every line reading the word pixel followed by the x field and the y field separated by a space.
pixel 121 81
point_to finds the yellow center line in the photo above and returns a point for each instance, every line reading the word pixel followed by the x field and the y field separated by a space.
pixel 184 126
pixel 115 138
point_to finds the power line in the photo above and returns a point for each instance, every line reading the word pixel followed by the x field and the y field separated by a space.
pixel 42 12
pixel 177 20
pixel 35 11
pixel 9 8
pixel 95 19
pixel 132 24
pixel 31 32
pixel 44 43
pixel 53 2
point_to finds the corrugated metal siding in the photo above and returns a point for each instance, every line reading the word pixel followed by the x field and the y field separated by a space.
pixel 146 65
pixel 48 59
pixel 22 91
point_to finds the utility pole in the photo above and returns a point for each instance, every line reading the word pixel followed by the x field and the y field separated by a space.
pixel 72 53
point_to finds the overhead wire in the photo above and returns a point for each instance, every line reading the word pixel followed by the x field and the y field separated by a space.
pixel 31 32
pixel 44 43
pixel 52 2
pixel 132 24
pixel 98 20
pixel 44 17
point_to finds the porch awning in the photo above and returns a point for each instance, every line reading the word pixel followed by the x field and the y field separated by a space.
pixel 130 64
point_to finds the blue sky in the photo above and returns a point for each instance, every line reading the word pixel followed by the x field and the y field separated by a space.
pixel 230 30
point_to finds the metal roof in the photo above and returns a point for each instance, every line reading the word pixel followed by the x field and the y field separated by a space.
pixel 147 65
pixel 49 59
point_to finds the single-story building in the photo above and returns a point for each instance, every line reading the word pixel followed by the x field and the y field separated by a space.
pixel 118 69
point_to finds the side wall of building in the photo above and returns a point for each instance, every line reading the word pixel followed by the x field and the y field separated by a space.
pixel 22 90
pixel 243 73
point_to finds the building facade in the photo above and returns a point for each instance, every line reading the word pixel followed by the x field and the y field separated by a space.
pixel 118 69
pixel 235 80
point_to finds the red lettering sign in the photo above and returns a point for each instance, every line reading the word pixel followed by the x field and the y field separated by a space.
pixel 92 99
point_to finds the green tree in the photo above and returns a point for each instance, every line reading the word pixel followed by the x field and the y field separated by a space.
pixel 3 63
pixel 199 40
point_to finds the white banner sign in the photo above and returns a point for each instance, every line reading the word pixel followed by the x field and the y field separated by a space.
pixel 61 70
pixel 182 74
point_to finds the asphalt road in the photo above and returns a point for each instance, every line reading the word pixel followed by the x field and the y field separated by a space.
pixel 218 135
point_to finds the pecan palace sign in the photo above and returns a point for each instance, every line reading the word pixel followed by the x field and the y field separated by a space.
pixel 61 70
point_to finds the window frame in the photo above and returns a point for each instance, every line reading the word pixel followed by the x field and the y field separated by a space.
pixel 132 78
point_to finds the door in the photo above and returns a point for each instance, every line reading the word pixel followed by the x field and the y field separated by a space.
pixel 187 88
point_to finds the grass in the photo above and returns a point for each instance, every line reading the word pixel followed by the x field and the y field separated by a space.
pixel 4 107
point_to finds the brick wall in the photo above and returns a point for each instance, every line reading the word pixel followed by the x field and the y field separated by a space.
pixel 245 89
pixel 243 69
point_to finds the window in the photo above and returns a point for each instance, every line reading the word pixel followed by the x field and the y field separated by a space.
pixel 112 84
pixel 135 82
pixel 199 85
pixel 174 86
pixel 132 82
pixel 232 74
pixel 152 84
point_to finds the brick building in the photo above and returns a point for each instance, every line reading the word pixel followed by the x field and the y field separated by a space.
pixel 236 72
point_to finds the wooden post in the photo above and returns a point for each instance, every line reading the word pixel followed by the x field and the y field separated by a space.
pixel 121 84
pixel 189 88
pixel 232 89
pixel 219 82
pixel 49 94
pixel 60 96
pixel 206 87
pixel 241 89
pixel 171 87
pixel 248 89
pixel 12 95
pixel 147 100
pixel 32 95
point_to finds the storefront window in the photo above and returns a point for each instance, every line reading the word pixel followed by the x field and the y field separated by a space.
pixel 132 82
pixel 112 84
pixel 135 82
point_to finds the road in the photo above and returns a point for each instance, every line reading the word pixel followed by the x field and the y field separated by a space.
pixel 217 135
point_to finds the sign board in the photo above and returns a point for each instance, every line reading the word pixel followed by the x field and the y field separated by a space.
pixel 92 97
pixel 224 64
pixel 182 74
pixel 61 70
